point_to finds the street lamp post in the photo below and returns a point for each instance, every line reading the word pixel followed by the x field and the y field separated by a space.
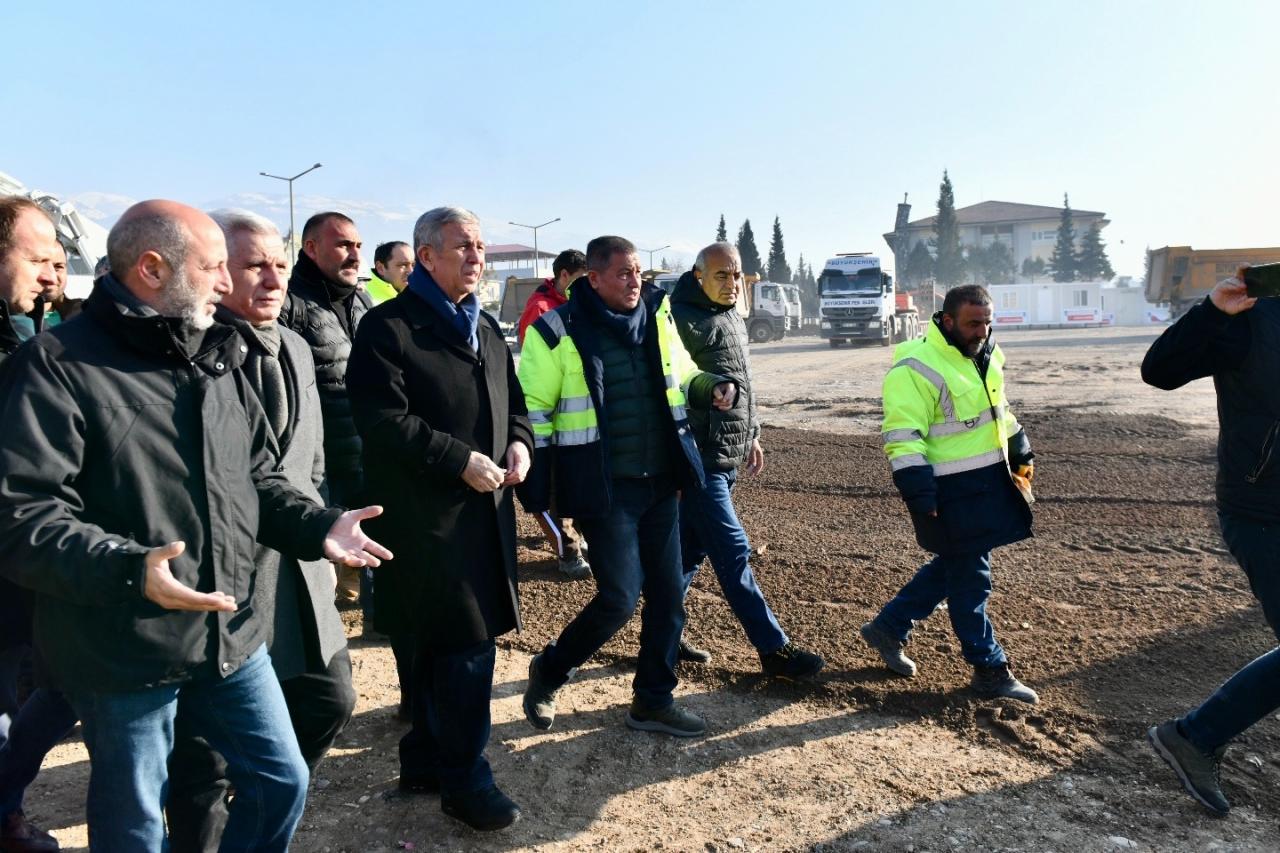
pixel 535 239
pixel 651 251
pixel 293 235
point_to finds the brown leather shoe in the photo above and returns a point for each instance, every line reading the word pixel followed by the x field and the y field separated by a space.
pixel 19 835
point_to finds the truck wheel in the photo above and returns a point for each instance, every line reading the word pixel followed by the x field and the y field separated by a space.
pixel 761 333
pixel 835 343
pixel 890 338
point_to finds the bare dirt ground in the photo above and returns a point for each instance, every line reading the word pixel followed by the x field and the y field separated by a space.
pixel 1122 611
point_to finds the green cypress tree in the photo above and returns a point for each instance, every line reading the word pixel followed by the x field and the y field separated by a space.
pixel 1063 259
pixel 919 265
pixel 948 263
pixel 778 269
pixel 722 236
pixel 1093 264
pixel 747 250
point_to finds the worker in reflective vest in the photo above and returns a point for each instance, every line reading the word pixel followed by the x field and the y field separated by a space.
pixel 963 465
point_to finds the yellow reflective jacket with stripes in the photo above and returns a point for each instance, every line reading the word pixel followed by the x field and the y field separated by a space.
pixel 951 437
pixel 562 377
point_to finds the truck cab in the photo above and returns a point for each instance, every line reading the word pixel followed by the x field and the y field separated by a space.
pixel 855 300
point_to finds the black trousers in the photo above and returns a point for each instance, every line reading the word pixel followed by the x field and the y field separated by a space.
pixel 320 702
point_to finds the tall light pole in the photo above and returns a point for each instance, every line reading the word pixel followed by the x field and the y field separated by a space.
pixel 535 239
pixel 651 251
pixel 293 235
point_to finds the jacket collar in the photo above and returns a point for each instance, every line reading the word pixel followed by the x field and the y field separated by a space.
pixel 420 315
pixel 938 339
pixel 689 291
pixel 9 339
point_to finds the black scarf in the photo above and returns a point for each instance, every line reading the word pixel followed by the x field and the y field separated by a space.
pixel 629 327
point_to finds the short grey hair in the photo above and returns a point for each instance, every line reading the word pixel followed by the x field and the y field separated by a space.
pixel 129 239
pixel 426 232
pixel 728 249
pixel 234 221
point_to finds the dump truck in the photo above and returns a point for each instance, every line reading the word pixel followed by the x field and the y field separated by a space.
pixel 857 301
pixel 1182 276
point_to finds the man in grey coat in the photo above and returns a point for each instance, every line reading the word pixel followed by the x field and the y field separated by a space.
pixel 307 642
pixel 704 306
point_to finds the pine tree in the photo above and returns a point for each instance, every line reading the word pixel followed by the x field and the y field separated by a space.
pixel 1033 267
pixel 747 250
pixel 919 265
pixel 797 277
pixel 722 236
pixel 1063 259
pixel 1092 263
pixel 948 263
pixel 778 269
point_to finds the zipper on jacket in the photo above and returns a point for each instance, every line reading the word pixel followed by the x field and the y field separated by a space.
pixel 1268 447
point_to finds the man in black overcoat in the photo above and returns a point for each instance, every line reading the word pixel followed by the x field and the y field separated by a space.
pixel 445 434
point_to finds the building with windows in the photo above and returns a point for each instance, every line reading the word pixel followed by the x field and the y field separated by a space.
pixel 1029 230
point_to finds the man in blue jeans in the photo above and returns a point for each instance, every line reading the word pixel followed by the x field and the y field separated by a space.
pixel 137 471
pixel 1235 338
pixel 704 305
pixel 606 381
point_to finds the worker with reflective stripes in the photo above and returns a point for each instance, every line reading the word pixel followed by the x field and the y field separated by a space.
pixel 963 465
pixel 606 380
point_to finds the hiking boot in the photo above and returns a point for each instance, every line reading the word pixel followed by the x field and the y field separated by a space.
pixel 997 682
pixel 889 649
pixel 691 653
pixel 671 720
pixel 792 663
pixel 22 836
pixel 575 567
pixel 485 810
pixel 1198 771
pixel 539 697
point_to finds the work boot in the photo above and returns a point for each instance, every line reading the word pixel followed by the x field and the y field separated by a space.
pixel 1198 771
pixel 539 697
pixel 890 649
pixel 19 835
pixel 691 653
pixel 997 682
pixel 575 567
pixel 671 720
pixel 792 663
pixel 485 810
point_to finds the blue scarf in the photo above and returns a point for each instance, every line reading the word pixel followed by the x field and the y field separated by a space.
pixel 463 318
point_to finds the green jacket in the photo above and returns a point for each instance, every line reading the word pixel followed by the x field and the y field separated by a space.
pixel 379 291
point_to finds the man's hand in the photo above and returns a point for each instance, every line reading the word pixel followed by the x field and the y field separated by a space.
pixel 161 587
pixel 1027 470
pixel 347 544
pixel 724 396
pixel 755 459
pixel 1231 296
pixel 517 463
pixel 481 474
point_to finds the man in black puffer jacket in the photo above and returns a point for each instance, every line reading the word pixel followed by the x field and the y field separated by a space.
pixel 325 306
pixel 704 306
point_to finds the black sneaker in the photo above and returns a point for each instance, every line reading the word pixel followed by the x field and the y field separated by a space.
pixel 692 653
pixel 485 810
pixel 671 720
pixel 539 697
pixel 1198 771
pixel 792 663
pixel 997 682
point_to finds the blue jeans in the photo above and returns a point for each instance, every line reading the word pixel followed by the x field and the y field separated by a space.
pixel 129 736
pixel 44 719
pixel 450 693
pixel 1253 692
pixel 964 582
pixel 709 527
pixel 635 550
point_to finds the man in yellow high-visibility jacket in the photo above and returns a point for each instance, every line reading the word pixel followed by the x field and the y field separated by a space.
pixel 958 457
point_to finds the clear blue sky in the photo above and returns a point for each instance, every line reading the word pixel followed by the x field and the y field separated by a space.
pixel 651 119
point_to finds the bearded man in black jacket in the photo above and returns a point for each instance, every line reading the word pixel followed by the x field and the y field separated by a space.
pixel 138 469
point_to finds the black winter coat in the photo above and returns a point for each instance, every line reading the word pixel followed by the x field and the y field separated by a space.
pixel 311 312
pixel 423 402
pixel 716 337
pixel 1242 354
pixel 15 606
pixel 116 443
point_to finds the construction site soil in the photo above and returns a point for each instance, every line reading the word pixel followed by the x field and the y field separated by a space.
pixel 1123 610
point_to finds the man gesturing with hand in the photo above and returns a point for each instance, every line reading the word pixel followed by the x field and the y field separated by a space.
pixel 137 472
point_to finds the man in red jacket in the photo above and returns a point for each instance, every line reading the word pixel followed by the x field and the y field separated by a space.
pixel 550 295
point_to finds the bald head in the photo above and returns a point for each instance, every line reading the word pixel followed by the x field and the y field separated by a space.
pixel 172 257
